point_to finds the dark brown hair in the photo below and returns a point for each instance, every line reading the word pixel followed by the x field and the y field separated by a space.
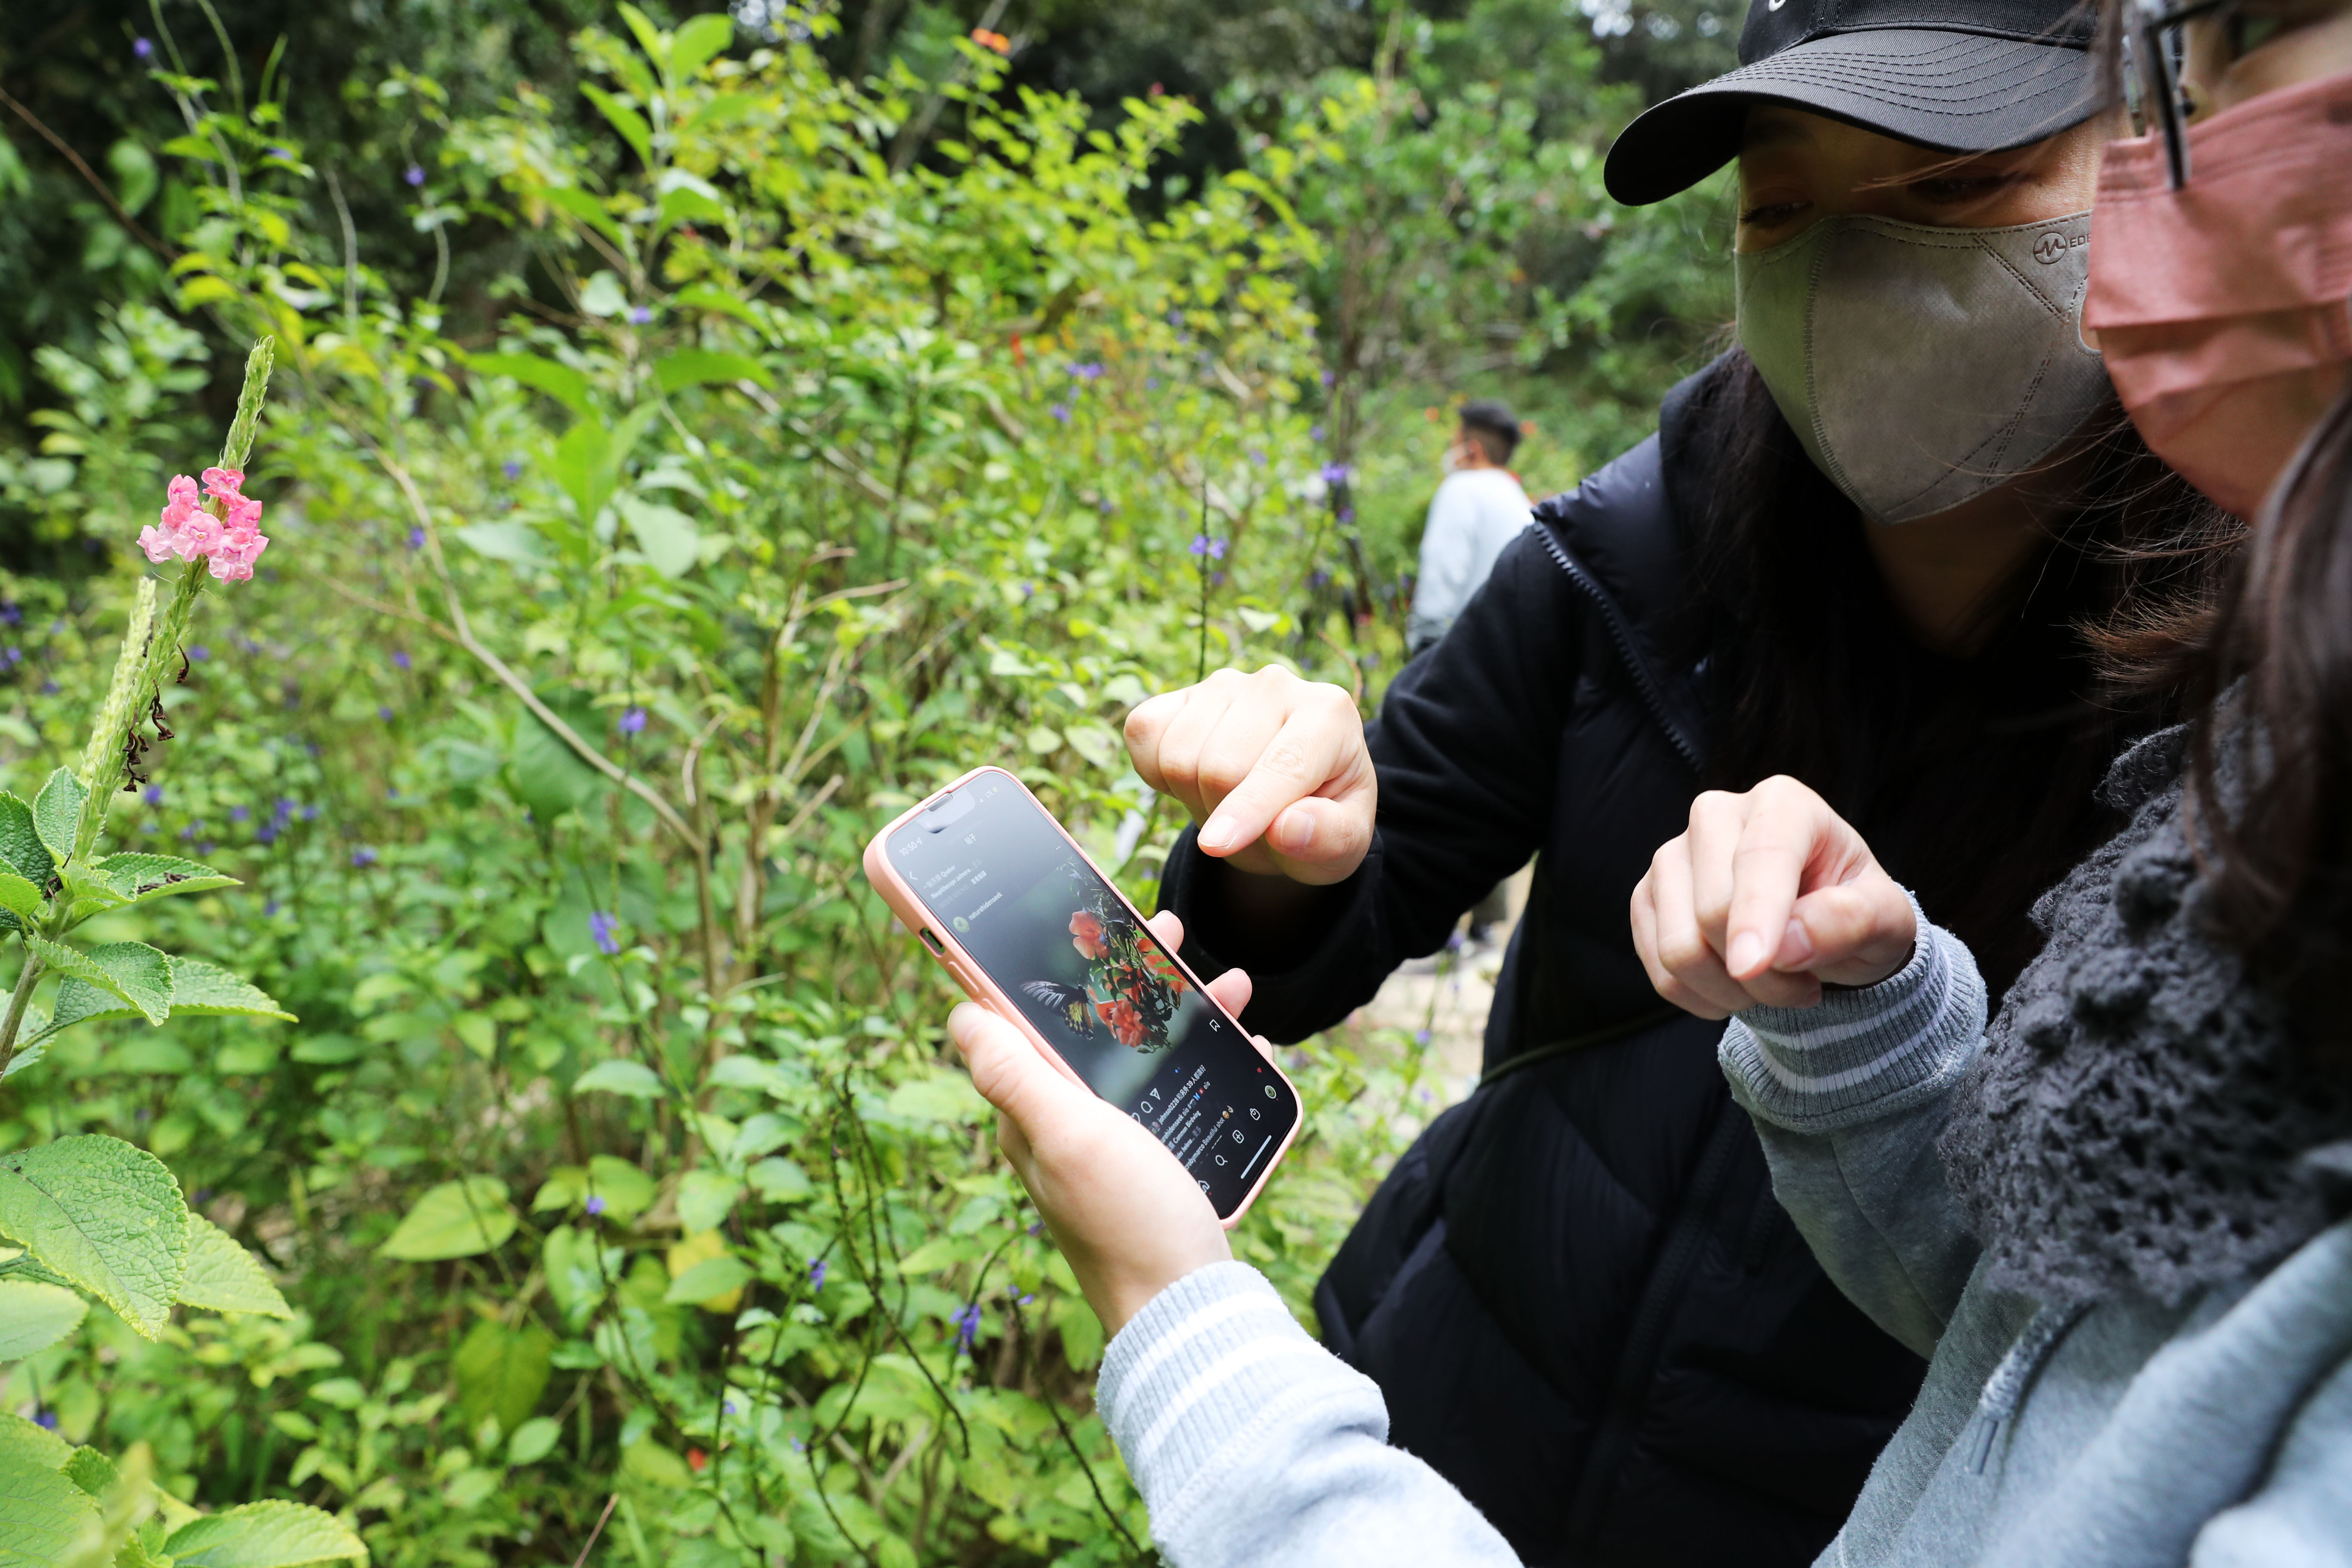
pixel 1973 779
pixel 2267 666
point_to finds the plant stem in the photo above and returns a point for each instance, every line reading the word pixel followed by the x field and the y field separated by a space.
pixel 126 697
pixel 15 1019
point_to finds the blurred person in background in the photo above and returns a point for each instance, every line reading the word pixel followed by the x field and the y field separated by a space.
pixel 1861 551
pixel 2119 1219
pixel 1478 508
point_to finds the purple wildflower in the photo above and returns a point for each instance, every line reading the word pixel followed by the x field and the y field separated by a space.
pixel 285 153
pixel 10 613
pixel 1327 378
pixel 363 857
pixel 206 848
pixel 199 652
pixel 1175 318
pixel 50 689
pixel 816 1273
pixel 414 174
pixel 141 51
pixel 266 834
pixel 1314 432
pixel 633 721
pixel 601 927
pixel 48 1419
pixel 640 314
pixel 1258 456
pixel 1037 1227
pixel 511 469
pixel 269 910
pixel 1091 370
pixel 416 538
pixel 1060 411
pixel 1335 473
pixel 400 659
pixel 384 714
pixel 967 1324
pixel 1421 1036
pixel 1026 1298
pixel 239 813
pixel 595 1203
pixel 1215 549
pixel 310 814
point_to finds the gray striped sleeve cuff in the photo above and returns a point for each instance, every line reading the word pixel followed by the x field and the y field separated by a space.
pixel 1861 1054
pixel 1203 1370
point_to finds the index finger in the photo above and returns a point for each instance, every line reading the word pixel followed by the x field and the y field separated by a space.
pixel 1768 869
pixel 1304 753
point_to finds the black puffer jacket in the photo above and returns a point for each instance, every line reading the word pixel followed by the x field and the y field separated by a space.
pixel 1576 1290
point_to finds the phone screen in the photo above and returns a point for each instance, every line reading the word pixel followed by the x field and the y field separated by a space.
pixel 991 866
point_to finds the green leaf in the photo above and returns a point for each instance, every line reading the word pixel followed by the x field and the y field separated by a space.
pixel 617 1076
pixel 55 811
pixel 455 1219
pixel 780 1181
pixel 627 1190
pixel 20 842
pixel 665 535
pixel 583 467
pixel 949 1096
pixel 516 543
pixel 561 381
pixel 133 970
pixel 696 41
pixel 106 1216
pixel 584 206
pixel 85 891
pixel 33 1317
pixel 22 1442
pixel 19 897
pixel 207 991
pixel 223 1276
pixel 706 367
pixel 79 1003
pixel 92 1471
pixel 139 878
pixel 703 1199
pixel 502 1372
pixel 626 121
pixel 43 1515
pixel 711 1276
pixel 263 1535
pixel 533 1440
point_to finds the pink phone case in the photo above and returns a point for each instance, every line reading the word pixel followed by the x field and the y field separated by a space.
pixel 976 984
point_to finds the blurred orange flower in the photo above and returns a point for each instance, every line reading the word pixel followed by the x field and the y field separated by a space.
pixel 995 41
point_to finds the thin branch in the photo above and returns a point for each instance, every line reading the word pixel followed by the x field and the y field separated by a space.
pixel 58 141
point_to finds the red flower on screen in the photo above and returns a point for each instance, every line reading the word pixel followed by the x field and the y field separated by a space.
pixel 1086 935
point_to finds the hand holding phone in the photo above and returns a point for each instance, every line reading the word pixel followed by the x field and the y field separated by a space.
pixel 1129 1218
pixel 996 890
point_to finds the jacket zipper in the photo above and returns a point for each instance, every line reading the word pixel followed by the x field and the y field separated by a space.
pixel 1622 635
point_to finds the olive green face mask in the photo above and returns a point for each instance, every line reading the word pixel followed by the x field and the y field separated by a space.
pixel 1922 367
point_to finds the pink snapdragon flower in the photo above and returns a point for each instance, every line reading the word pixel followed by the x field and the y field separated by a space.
pixel 225 528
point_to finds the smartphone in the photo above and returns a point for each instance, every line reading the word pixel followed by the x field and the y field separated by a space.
pixel 1000 894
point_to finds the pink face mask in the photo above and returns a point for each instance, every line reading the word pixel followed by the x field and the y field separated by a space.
pixel 2224 310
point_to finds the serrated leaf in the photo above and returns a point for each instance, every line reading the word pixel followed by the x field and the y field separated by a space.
pixel 56 811
pixel 19 897
pixel 79 1003
pixel 635 1080
pixel 104 1214
pixel 263 1535
pixel 32 1049
pixel 223 1276
pixel 20 842
pixel 81 885
pixel 455 1219
pixel 139 878
pixel 502 1372
pixel 43 1515
pixel 207 991
pixel 138 974
pixel 92 1471
pixel 33 1317
pixel 21 1441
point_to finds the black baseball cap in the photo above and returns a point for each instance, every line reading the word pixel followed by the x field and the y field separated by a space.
pixel 1961 76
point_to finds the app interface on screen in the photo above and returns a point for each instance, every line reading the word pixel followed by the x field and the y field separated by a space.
pixel 1097 986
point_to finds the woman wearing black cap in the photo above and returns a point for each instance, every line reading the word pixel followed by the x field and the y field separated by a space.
pixel 1859 551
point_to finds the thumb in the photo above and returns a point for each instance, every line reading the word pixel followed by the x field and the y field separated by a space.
pixel 1008 1071
pixel 1315 838
pixel 1854 933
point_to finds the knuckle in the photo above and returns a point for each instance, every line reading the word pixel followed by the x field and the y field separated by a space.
pixel 1219 774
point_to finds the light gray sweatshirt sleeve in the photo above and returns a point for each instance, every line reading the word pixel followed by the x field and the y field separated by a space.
pixel 1252 1443
pixel 1849 1097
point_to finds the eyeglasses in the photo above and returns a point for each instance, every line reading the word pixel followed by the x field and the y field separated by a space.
pixel 2157 41
pixel 2157 50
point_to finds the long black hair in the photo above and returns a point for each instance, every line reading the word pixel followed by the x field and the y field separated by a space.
pixel 1974 779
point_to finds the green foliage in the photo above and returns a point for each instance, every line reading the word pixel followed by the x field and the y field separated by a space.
pixel 617 1177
